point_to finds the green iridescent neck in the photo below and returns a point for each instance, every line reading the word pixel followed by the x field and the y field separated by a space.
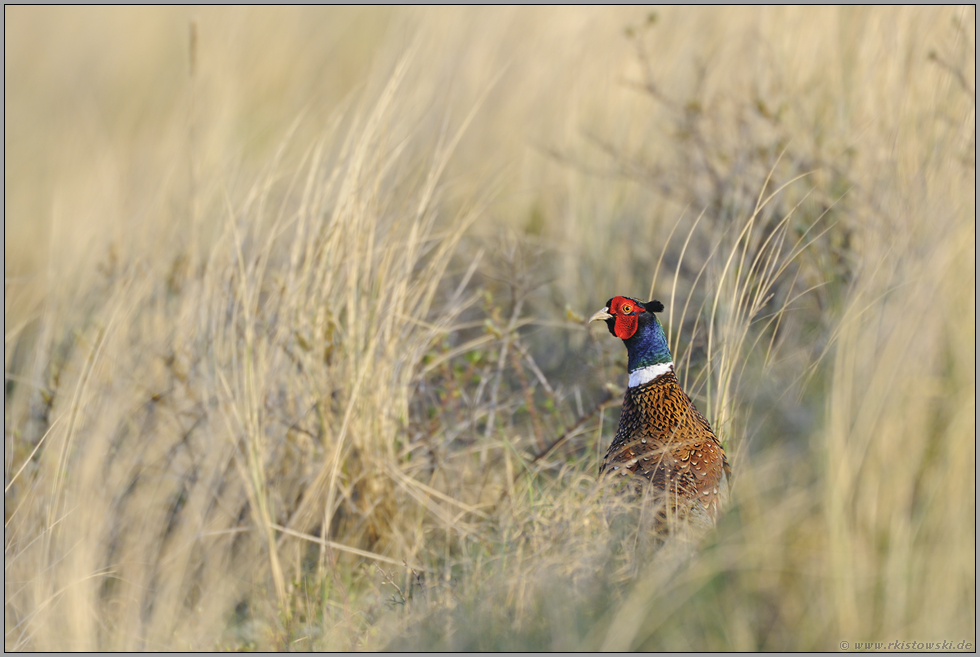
pixel 648 346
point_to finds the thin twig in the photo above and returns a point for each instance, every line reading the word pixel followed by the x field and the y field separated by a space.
pixel 560 440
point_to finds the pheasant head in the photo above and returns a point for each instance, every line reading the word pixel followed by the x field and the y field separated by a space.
pixel 636 323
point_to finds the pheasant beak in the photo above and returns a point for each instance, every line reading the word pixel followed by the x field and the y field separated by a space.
pixel 602 314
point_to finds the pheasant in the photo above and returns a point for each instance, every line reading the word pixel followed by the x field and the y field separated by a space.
pixel 662 436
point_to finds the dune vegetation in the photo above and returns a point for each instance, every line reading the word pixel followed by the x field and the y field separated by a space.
pixel 295 352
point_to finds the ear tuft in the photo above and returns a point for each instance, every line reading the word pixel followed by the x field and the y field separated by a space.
pixel 654 306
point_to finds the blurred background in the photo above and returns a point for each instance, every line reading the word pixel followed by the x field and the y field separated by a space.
pixel 294 342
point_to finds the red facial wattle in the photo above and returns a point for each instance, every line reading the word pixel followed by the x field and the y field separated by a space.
pixel 625 326
pixel 625 311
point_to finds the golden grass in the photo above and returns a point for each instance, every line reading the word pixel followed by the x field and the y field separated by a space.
pixel 294 354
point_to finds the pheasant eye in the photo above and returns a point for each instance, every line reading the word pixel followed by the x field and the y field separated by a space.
pixel 626 308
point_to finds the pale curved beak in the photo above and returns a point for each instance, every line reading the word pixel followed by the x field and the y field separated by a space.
pixel 602 314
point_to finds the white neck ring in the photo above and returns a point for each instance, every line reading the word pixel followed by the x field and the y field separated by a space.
pixel 649 373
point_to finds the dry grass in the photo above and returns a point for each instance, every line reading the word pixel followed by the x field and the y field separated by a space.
pixel 294 353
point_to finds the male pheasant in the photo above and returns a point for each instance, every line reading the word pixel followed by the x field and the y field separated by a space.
pixel 662 436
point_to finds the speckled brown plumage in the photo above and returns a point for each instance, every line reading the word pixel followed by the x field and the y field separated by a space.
pixel 663 438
